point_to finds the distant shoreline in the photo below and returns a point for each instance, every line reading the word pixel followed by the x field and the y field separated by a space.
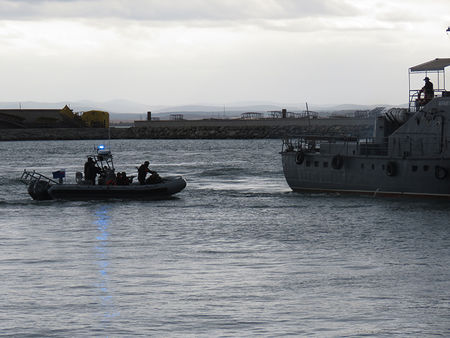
pixel 348 127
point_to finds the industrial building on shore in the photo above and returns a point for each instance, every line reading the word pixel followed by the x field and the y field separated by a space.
pixel 52 118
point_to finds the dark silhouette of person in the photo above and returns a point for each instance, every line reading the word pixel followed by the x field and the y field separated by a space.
pixel 427 90
pixel 90 171
pixel 122 179
pixel 119 179
pixel 127 180
pixel 154 178
pixel 142 173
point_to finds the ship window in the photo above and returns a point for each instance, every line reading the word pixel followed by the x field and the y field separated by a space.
pixel 414 168
pixel 316 163
pixel 362 165
pixel 325 164
pixel 308 163
pixel 373 166
pixel 383 167
pixel 425 168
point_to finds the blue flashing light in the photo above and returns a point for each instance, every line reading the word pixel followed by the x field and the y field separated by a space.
pixel 101 147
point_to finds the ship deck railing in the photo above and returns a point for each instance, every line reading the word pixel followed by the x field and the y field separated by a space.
pixel 373 149
pixel 33 176
pixel 414 97
pixel 305 141
pixel 360 146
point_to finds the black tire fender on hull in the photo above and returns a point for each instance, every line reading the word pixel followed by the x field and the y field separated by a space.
pixel 337 162
pixel 440 172
pixel 299 157
pixel 391 169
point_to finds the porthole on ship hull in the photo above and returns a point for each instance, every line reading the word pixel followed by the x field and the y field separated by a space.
pixel 440 172
pixel 299 157
pixel 391 169
pixel 337 162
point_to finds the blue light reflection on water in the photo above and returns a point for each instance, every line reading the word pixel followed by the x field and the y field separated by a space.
pixel 102 223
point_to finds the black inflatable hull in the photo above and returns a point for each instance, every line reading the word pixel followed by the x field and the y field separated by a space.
pixel 165 189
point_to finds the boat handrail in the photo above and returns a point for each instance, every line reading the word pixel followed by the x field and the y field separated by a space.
pixel 31 176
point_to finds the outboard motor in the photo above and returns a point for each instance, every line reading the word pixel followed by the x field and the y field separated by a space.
pixel 38 190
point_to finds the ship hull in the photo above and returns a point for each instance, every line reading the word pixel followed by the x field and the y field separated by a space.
pixel 375 175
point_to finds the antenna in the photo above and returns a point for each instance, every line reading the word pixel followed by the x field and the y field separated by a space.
pixel 308 117
pixel 109 137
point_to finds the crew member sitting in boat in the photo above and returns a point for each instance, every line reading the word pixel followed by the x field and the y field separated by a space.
pixel 90 171
pixel 122 179
pixel 107 176
pixel 142 173
pixel 428 92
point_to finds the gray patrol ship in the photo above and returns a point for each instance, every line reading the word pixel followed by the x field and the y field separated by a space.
pixel 409 153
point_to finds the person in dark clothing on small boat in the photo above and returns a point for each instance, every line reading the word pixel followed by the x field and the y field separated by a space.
pixel 154 178
pixel 122 179
pixel 142 173
pixel 90 171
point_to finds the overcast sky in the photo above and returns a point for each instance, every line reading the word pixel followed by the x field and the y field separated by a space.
pixel 167 52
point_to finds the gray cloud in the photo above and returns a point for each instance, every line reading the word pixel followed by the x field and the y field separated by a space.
pixel 173 10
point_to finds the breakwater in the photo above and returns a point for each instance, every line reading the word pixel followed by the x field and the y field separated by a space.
pixel 204 129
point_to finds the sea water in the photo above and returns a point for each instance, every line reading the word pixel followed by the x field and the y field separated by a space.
pixel 234 254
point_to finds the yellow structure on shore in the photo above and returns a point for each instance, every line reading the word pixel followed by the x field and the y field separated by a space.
pixel 96 119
